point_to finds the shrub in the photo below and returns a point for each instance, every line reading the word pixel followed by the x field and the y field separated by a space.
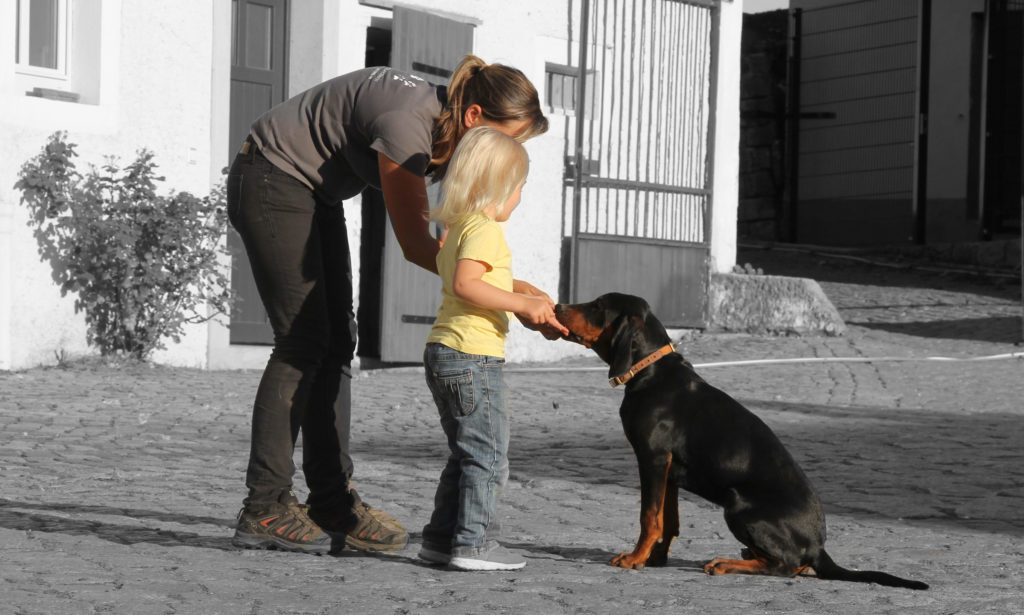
pixel 142 264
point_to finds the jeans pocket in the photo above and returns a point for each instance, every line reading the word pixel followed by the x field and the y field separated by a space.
pixel 456 387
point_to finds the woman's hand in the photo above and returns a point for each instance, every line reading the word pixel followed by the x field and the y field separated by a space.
pixel 405 197
pixel 525 288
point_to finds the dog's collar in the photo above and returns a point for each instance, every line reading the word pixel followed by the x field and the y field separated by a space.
pixel 641 364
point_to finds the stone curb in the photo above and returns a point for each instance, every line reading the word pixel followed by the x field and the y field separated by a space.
pixel 770 304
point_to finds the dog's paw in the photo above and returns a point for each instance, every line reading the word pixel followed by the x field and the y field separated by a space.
pixel 627 560
pixel 717 566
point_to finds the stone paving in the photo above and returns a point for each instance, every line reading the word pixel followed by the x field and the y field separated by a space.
pixel 119 483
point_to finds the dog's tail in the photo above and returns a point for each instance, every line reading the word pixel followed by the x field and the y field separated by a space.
pixel 828 569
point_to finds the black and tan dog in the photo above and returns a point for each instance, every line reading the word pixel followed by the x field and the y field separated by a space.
pixel 686 433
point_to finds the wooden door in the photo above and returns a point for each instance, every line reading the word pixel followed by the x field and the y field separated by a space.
pixel 430 47
pixel 258 78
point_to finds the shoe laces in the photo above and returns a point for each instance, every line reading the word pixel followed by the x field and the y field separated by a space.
pixel 367 525
pixel 292 523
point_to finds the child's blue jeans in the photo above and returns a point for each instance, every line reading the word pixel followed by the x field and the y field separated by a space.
pixel 469 391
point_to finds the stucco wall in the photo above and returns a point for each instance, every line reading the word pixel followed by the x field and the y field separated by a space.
pixel 162 84
pixel 154 92
pixel 526 37
pixel 726 131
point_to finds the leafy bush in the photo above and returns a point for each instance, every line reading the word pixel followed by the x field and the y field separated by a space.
pixel 142 264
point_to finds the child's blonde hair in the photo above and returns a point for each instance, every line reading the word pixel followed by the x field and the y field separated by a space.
pixel 485 169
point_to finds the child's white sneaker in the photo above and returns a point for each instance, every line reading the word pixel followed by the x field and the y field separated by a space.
pixel 491 556
pixel 435 555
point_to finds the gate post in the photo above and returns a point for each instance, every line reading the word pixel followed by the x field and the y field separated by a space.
pixel 577 184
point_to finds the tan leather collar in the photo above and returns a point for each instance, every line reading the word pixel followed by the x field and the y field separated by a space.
pixel 641 364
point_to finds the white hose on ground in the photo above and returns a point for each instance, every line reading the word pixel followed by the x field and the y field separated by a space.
pixel 994 357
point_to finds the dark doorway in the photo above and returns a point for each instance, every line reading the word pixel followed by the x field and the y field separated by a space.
pixel 1001 216
pixel 371 244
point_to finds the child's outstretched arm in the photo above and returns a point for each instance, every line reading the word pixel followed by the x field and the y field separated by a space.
pixel 551 330
pixel 468 285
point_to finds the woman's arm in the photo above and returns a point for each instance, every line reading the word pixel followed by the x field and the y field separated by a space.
pixel 405 197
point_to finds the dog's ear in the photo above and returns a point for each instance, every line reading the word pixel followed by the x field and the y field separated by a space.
pixel 620 357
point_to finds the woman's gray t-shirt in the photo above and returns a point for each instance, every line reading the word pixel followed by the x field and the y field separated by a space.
pixel 328 137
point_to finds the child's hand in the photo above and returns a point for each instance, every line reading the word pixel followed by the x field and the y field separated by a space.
pixel 536 310
pixel 549 327
pixel 540 312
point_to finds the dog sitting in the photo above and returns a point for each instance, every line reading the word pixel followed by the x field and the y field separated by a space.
pixel 686 433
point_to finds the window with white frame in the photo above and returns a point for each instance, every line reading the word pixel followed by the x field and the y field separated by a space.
pixel 42 37
pixel 562 85
pixel 58 54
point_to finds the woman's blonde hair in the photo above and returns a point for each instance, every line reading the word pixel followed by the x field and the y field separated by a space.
pixel 503 93
pixel 485 169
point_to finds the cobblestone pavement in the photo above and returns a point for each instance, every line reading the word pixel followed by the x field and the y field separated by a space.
pixel 118 484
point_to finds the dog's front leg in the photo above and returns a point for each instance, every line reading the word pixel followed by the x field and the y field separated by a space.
pixel 669 527
pixel 653 481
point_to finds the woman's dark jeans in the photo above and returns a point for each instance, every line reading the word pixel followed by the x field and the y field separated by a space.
pixel 298 249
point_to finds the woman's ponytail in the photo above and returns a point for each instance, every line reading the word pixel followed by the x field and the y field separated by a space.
pixel 503 93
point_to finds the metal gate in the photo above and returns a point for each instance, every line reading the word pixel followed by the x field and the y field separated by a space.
pixel 641 171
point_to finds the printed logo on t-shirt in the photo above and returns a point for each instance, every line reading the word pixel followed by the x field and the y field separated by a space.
pixel 409 81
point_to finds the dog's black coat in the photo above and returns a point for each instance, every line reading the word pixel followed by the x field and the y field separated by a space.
pixel 686 433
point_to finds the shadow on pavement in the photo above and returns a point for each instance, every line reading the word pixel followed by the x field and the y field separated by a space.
pixel 42 517
pixel 999 329
pixel 961 470
pixel 823 268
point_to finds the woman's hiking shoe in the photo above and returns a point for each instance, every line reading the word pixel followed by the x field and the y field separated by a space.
pixel 491 557
pixel 362 530
pixel 380 515
pixel 281 526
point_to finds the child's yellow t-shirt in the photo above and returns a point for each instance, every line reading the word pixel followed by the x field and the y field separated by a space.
pixel 462 325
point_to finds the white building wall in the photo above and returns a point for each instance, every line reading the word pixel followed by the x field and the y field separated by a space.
pixel 725 186
pixel 333 43
pixel 163 84
pixel 151 89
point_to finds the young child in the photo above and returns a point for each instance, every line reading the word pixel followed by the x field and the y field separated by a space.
pixel 466 347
